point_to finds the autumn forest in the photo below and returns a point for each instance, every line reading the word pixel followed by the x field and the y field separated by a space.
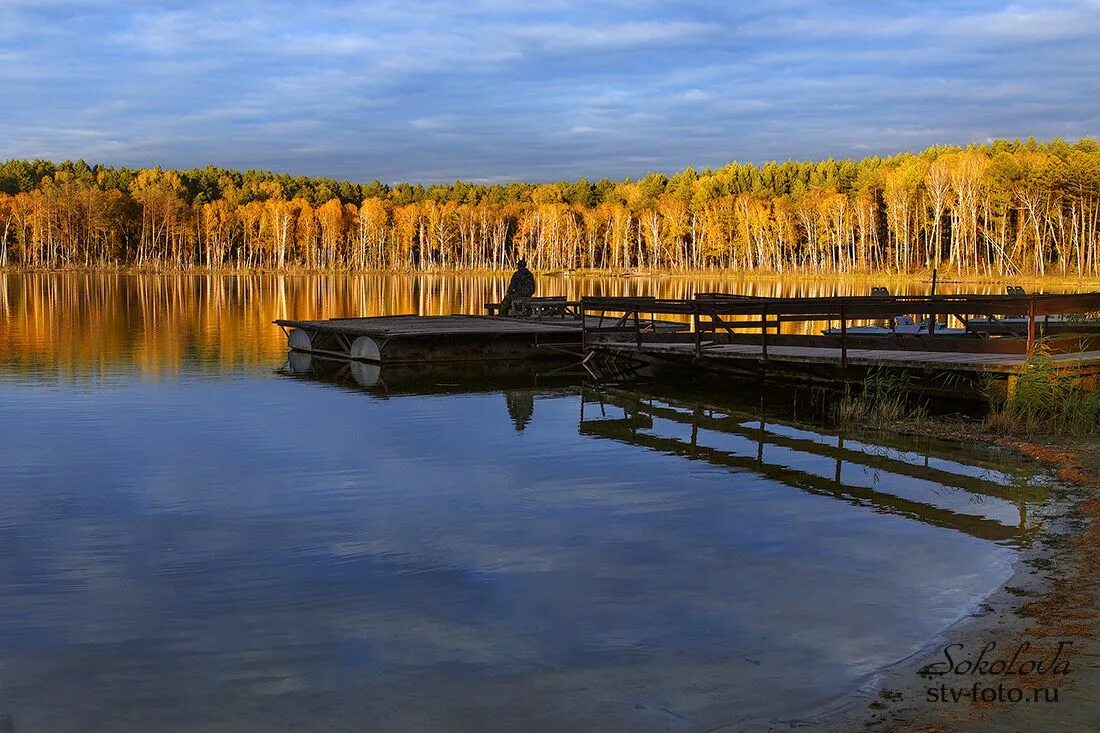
pixel 1007 208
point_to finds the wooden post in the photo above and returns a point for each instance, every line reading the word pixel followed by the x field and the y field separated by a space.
pixel 843 338
pixel 698 336
pixel 932 317
pixel 839 461
pixel 760 443
pixel 764 329
pixel 637 332
pixel 584 330
pixel 1030 325
pixel 696 413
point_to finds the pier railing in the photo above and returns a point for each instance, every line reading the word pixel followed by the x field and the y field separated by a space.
pixel 991 323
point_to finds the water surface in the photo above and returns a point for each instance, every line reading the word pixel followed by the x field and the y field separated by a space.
pixel 197 533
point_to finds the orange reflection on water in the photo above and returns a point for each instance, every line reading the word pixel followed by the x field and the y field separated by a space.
pixel 85 324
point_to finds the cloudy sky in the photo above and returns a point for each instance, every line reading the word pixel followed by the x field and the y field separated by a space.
pixel 494 90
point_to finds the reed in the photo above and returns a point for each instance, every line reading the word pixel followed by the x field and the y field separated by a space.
pixel 1048 398
pixel 885 400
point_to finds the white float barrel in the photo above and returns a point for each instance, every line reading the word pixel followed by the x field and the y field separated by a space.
pixel 365 347
pixel 299 340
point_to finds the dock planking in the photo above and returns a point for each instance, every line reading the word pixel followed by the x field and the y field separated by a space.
pixel 1007 364
pixel 413 325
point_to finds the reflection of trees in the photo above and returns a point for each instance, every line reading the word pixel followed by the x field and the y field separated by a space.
pixel 521 405
pixel 84 324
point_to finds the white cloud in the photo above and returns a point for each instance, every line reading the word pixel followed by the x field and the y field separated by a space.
pixel 571 37
pixel 434 123
pixel 503 90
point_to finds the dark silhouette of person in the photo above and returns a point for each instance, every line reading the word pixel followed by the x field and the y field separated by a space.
pixel 522 285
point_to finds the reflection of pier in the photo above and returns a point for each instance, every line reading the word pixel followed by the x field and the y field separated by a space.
pixel 639 425
pixel 938 487
pixel 427 378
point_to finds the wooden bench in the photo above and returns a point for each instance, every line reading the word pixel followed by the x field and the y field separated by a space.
pixel 538 308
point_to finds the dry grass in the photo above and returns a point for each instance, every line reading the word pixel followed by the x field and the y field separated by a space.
pixel 1048 399
pixel 884 402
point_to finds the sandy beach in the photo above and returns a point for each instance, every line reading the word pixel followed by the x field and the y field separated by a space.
pixel 1026 659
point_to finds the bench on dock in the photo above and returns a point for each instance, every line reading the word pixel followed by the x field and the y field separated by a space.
pixel 555 306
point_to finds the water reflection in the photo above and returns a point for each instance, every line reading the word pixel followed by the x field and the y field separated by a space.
pixel 730 545
pixel 515 378
pixel 936 483
pixel 88 324
pixel 521 406
pixel 222 537
pixel 984 502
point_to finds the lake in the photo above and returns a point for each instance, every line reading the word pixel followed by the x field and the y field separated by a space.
pixel 198 533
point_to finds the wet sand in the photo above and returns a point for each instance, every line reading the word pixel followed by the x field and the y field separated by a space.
pixel 1052 602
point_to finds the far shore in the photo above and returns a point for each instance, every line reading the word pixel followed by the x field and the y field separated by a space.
pixel 923 276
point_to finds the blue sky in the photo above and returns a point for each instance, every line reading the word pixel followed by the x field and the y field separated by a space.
pixel 491 90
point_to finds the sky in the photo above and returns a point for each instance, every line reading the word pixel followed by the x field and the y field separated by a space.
pixel 496 90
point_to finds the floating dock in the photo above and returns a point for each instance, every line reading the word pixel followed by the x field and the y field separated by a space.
pixel 435 377
pixel 418 339
pixel 551 328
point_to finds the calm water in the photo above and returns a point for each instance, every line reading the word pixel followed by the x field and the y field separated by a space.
pixel 198 533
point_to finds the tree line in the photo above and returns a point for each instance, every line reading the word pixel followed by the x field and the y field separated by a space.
pixel 1006 208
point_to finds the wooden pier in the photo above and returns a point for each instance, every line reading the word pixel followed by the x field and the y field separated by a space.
pixel 995 337
pixel 961 341
pixel 435 377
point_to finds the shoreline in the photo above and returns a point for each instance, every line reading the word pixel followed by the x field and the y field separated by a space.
pixel 1049 598
pixel 702 274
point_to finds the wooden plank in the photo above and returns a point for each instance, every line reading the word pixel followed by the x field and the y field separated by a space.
pixel 997 363
pixel 384 326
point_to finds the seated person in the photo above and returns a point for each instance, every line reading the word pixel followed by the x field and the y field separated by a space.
pixel 522 285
